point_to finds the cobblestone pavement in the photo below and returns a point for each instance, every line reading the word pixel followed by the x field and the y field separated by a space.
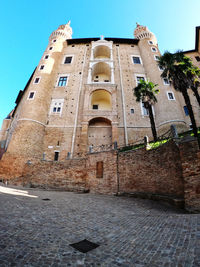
pixel 130 232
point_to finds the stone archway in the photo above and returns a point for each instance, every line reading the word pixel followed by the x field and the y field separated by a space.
pixel 99 132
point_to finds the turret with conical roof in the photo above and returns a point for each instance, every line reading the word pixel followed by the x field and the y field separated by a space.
pixel 142 32
pixel 64 31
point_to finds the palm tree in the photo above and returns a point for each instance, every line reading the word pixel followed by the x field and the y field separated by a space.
pixel 177 69
pixel 193 75
pixel 146 92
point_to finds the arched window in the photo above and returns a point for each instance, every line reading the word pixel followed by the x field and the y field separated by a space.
pixel 101 72
pixel 101 99
pixel 101 51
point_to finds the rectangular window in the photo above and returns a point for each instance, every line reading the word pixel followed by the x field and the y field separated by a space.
pixel 138 78
pixel 150 42
pixel 145 111
pixel 46 57
pixel 51 47
pixel 95 107
pixel 170 96
pixel 68 60
pixel 197 58
pixel 156 57
pixel 166 81
pixel 99 169
pixel 186 111
pixel 136 60
pixel 37 80
pixel 31 95
pixel 41 67
pixel 132 111
pixel 62 81
pixel 56 106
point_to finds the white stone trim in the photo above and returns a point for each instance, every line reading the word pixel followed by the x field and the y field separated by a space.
pixel 53 105
pixel 28 98
pixel 141 63
pixel 63 62
pixel 139 75
pixel 165 122
pixel 166 84
pixel 150 42
pixel 25 119
pixel 154 48
pixel 174 99
pixel 37 77
pixel 62 75
pixel 45 56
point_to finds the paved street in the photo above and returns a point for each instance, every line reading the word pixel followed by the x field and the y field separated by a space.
pixel 130 232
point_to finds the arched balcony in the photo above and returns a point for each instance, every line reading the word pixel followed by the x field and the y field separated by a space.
pixel 101 72
pixel 101 52
pixel 101 100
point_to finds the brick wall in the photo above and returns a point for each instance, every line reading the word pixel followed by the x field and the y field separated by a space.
pixel 107 184
pixel 190 158
pixel 154 171
pixel 171 169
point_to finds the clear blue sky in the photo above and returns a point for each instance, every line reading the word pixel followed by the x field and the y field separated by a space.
pixel 25 26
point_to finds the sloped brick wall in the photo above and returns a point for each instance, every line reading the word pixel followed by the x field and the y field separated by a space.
pixel 190 158
pixel 154 171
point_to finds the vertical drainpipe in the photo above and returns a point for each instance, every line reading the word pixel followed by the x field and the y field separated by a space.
pixel 123 100
pixel 77 106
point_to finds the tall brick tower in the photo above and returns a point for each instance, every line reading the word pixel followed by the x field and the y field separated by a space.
pixel 27 129
pixel 166 112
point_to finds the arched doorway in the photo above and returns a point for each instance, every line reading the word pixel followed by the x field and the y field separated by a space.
pixel 99 132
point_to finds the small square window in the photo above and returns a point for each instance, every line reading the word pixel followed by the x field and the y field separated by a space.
pixel 95 106
pixel 136 60
pixel 132 111
pixel 54 40
pixel 138 78
pixel 68 60
pixel 150 42
pixel 46 57
pixel 41 67
pixel 62 81
pixel 54 109
pixel 170 96
pixel 186 111
pixel 156 57
pixel 31 95
pixel 197 58
pixel 37 80
pixel 166 81
pixel 50 48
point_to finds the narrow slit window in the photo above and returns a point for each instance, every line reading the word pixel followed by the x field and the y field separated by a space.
pixel 56 156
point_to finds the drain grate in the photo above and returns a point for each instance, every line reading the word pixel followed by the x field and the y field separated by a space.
pixel 84 246
pixel 46 199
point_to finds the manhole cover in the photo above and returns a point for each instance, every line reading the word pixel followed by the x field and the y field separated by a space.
pixel 46 199
pixel 84 246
